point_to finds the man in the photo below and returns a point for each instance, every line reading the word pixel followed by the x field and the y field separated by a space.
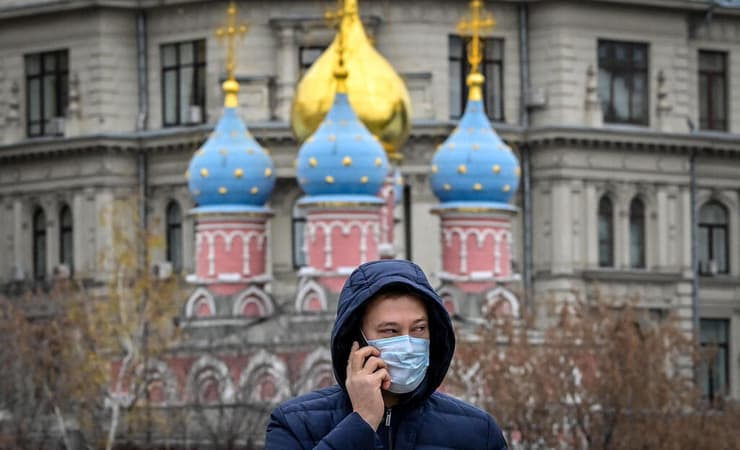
pixel 391 346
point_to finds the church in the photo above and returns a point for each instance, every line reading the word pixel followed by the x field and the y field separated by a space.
pixel 534 155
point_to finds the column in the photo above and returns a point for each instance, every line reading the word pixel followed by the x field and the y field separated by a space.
pixel 562 233
pixel 287 68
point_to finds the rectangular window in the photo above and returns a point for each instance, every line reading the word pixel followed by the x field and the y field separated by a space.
pixel 712 90
pixel 623 82
pixel 183 83
pixel 47 90
pixel 307 56
pixel 714 369
pixel 492 67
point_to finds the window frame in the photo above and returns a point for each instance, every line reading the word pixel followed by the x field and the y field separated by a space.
pixel 634 215
pixel 629 71
pixel 298 220
pixel 712 74
pixel 174 256
pixel 61 83
pixel 712 228
pixel 304 66
pixel 723 347
pixel 609 241
pixel 487 62
pixel 177 67
pixel 66 256
pixel 39 238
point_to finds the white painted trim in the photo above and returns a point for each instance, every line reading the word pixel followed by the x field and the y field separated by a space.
pixel 260 364
pixel 194 297
pixel 318 362
pixel 208 363
pixel 267 307
pixel 501 292
pixel 308 287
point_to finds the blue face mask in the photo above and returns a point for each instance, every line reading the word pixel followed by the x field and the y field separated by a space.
pixel 407 359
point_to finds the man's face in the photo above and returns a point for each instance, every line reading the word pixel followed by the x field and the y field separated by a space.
pixel 396 316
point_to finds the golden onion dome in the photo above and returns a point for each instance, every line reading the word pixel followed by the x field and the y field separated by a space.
pixel 376 92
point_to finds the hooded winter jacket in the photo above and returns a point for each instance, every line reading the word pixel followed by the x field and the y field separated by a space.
pixel 423 419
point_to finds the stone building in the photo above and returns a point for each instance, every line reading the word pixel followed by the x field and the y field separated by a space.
pixel 623 115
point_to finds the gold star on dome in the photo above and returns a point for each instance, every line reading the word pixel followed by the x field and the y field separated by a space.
pixel 250 151
pixel 364 179
pixel 496 168
pixel 435 169
pixel 329 179
pixel 312 162
pixel 462 169
pixel 476 146
pixel 332 138
pixel 507 188
pixel 238 173
pixel 347 161
pixel 254 190
pixel 518 171
pixel 378 162
pixel 187 174
pixel 204 172
pixel 447 187
pixel 223 191
pixel 268 172
pixel 477 186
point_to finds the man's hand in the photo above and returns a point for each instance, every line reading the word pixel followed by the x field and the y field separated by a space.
pixel 364 381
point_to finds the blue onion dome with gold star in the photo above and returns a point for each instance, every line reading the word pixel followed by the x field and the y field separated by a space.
pixel 231 172
pixel 474 167
pixel 342 162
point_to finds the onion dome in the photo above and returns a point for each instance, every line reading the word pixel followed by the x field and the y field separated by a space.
pixel 474 167
pixel 376 92
pixel 342 161
pixel 231 172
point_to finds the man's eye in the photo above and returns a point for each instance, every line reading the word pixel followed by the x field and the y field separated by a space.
pixel 388 331
pixel 420 328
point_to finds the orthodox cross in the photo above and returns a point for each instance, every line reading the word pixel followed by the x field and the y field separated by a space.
pixel 229 32
pixel 479 21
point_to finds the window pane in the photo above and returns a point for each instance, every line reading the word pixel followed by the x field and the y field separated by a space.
pixel 170 97
pixel 703 249
pixel 186 93
pixel 200 52
pixel 494 91
pixel 605 83
pixel 299 253
pixel 200 89
pixel 456 98
pixel 34 100
pixel 456 47
pixel 718 99
pixel 719 248
pixel 50 62
pixel 639 99
pixel 703 102
pixel 186 53
pixel 713 213
pixel 169 55
pixel 63 61
pixel 50 97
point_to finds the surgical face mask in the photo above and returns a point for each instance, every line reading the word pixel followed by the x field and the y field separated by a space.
pixel 407 359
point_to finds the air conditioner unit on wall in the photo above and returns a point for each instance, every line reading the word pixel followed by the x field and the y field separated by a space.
pixel 195 114
pixel 162 270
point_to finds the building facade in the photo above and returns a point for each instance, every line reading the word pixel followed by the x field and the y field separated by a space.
pixel 624 115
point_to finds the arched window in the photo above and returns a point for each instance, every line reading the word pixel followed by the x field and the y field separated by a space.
pixel 637 234
pixel 606 232
pixel 713 239
pixel 39 244
pixel 66 249
pixel 174 236
pixel 299 227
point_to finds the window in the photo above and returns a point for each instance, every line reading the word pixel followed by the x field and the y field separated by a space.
pixel 39 244
pixel 184 83
pixel 637 234
pixel 299 237
pixel 47 87
pixel 174 236
pixel 66 249
pixel 623 82
pixel 714 369
pixel 307 56
pixel 712 239
pixel 492 67
pixel 712 91
pixel 606 233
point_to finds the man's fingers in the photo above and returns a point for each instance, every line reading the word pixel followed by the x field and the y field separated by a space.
pixel 357 357
pixel 374 363
pixel 382 376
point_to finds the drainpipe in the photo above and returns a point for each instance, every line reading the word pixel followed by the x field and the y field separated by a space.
pixel 694 251
pixel 141 124
pixel 525 153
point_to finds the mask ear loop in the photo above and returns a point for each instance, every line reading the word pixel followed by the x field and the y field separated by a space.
pixel 364 337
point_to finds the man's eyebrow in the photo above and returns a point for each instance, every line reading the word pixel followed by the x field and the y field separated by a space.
pixel 420 319
pixel 386 324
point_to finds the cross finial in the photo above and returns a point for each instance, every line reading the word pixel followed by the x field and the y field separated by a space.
pixel 479 21
pixel 229 32
pixel 335 17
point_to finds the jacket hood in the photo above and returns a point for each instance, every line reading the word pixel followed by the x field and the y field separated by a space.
pixel 361 286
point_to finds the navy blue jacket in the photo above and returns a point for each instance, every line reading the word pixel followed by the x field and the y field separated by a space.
pixel 424 419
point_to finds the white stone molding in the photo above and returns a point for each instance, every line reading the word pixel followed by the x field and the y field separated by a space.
pixel 452 294
pixel 253 292
pixel 208 365
pixel 263 364
pixel 327 226
pixel 500 293
pixel 309 287
pixel 316 365
pixel 195 297
pixel 158 370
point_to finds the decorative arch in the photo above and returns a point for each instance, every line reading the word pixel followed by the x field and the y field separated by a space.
pixel 496 296
pixel 311 297
pixel 208 376
pixel 253 302
pixel 264 379
pixel 159 381
pixel 449 298
pixel 200 304
pixel 315 371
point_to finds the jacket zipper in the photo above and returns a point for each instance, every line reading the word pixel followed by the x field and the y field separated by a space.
pixel 388 428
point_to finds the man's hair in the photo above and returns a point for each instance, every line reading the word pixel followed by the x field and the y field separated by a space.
pixel 393 290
